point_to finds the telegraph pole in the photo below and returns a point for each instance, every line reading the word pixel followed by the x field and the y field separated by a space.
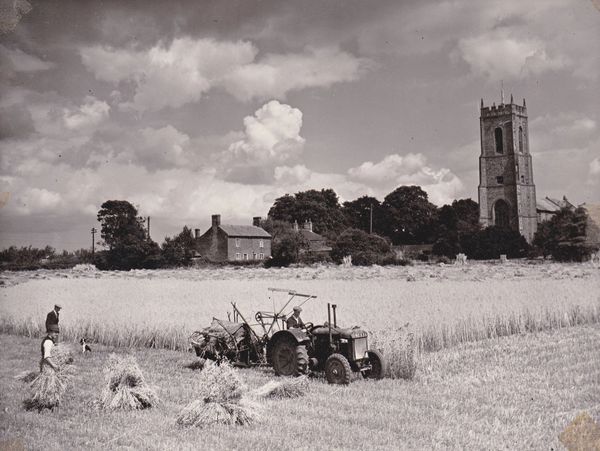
pixel 371 221
pixel 148 226
pixel 93 233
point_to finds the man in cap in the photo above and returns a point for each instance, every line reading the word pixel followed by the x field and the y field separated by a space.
pixel 295 321
pixel 52 318
pixel 48 343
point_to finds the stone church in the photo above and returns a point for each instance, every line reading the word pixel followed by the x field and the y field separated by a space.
pixel 506 187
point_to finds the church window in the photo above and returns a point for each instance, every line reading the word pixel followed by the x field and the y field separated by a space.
pixel 500 179
pixel 501 218
pixel 499 140
pixel 521 139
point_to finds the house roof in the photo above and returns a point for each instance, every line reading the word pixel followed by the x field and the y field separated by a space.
pixel 311 236
pixel 546 205
pixel 244 231
pixel 553 205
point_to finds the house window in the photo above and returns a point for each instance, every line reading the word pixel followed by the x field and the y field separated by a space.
pixel 238 256
pixel 246 257
pixel 261 256
pixel 499 143
pixel 522 179
pixel 500 180
pixel 238 242
pixel 261 243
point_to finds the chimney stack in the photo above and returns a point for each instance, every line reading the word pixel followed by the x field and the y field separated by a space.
pixel 196 233
pixel 216 221
pixel 256 221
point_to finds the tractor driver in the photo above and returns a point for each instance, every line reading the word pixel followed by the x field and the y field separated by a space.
pixel 295 321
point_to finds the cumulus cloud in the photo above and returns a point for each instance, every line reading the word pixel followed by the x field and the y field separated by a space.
pixel 89 114
pixel 271 137
pixel 568 129
pixel 412 169
pixel 293 175
pixel 276 75
pixel 185 70
pixel 38 200
pixel 272 134
pixel 163 147
pixel 544 36
pixel 19 61
pixel 501 55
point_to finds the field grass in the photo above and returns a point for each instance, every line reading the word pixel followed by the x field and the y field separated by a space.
pixel 440 305
pixel 516 392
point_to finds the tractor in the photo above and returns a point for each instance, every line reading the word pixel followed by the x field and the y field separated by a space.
pixel 341 353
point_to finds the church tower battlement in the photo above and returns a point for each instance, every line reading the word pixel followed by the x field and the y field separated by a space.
pixel 506 188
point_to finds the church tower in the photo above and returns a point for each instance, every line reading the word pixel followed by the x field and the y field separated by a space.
pixel 506 188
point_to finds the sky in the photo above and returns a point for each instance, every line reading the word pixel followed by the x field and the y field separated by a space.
pixel 193 108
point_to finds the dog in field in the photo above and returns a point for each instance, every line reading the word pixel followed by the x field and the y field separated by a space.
pixel 84 346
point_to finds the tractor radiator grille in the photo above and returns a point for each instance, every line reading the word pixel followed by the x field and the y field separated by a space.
pixel 360 348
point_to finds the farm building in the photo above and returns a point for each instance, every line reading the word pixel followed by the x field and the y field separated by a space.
pixel 225 242
pixel 548 207
pixel 317 244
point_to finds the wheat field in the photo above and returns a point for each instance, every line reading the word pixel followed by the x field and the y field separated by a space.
pixel 441 305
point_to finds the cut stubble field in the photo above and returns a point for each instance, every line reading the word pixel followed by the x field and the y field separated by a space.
pixel 515 392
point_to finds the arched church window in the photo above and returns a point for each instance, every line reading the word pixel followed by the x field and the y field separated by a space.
pixel 501 217
pixel 499 143
pixel 521 139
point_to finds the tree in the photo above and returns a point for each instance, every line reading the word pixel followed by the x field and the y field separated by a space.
pixel 564 236
pixel 409 216
pixel 123 232
pixel 467 216
pixel 456 224
pixel 364 248
pixel 357 214
pixel 494 241
pixel 321 207
pixel 120 223
pixel 180 249
pixel 447 242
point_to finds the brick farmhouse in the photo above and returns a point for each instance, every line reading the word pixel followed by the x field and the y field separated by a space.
pixel 224 242
pixel 317 244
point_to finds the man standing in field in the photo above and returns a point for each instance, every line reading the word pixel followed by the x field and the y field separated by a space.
pixel 52 318
pixel 295 321
pixel 47 344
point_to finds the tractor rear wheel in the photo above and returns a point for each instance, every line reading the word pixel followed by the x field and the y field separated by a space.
pixel 289 358
pixel 337 369
pixel 378 365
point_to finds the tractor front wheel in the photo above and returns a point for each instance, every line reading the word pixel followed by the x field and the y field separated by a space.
pixel 337 369
pixel 378 365
pixel 289 358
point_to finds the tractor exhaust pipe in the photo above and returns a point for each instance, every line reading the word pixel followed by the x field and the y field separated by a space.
pixel 334 306
pixel 329 321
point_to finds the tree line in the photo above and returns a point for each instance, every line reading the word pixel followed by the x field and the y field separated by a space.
pixel 365 228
